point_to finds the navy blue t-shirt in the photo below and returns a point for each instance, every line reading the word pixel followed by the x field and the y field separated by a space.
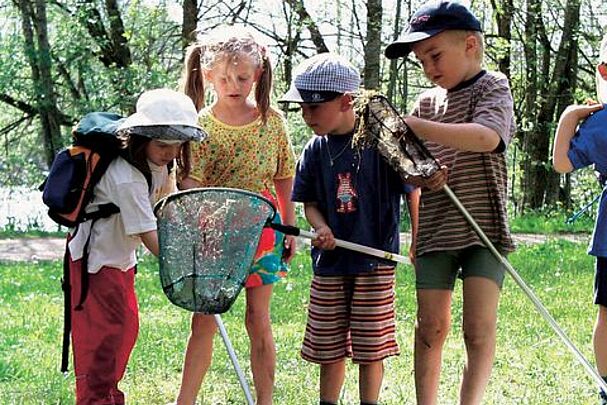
pixel 358 194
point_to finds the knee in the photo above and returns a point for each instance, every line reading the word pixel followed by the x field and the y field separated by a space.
pixel 202 326
pixel 432 332
pixel 479 334
pixel 257 320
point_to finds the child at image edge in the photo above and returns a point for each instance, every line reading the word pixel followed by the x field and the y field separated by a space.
pixel 104 331
pixel 353 195
pixel 466 122
pixel 574 150
pixel 247 148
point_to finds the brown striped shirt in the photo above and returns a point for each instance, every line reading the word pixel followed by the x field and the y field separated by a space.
pixel 479 180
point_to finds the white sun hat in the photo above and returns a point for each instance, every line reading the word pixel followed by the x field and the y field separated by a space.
pixel 601 80
pixel 171 113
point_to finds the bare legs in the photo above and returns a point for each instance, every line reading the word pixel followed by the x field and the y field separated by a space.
pixel 481 297
pixel 599 340
pixel 332 377
pixel 263 352
pixel 199 350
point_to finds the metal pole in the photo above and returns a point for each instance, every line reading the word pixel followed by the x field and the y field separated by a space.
pixel 517 278
pixel 241 378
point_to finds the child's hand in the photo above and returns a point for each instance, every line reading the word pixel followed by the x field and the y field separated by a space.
pixel 579 112
pixel 434 182
pixel 324 238
pixel 290 247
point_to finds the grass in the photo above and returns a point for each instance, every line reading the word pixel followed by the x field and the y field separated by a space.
pixel 551 222
pixel 532 366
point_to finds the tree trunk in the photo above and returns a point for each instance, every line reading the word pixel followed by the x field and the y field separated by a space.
pixel 393 72
pixel 503 16
pixel 538 176
pixel 190 22
pixel 299 8
pixel 40 63
pixel 373 45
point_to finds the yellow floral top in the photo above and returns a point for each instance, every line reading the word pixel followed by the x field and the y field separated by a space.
pixel 248 157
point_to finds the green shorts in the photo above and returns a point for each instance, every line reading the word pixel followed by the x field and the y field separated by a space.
pixel 438 270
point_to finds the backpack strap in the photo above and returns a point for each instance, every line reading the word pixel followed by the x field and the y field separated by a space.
pixel 104 211
pixel 67 314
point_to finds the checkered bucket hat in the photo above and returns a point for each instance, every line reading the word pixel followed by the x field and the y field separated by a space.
pixel 321 78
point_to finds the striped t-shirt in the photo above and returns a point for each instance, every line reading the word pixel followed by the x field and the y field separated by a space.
pixel 478 179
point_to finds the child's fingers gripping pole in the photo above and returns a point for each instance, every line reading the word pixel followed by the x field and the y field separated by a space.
pixel 530 294
pixel 292 230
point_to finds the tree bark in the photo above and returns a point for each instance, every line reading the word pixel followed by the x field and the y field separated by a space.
pixel 34 13
pixel 190 22
pixel 299 8
pixel 371 71
pixel 537 171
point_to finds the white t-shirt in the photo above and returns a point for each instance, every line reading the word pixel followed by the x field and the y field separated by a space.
pixel 115 239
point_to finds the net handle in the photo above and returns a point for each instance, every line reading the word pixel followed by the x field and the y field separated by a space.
pixel 295 231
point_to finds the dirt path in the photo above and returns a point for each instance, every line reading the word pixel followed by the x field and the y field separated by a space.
pixel 30 249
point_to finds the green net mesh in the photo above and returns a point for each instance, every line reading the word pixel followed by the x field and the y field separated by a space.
pixel 208 238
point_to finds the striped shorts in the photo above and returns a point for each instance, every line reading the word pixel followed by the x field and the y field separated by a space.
pixel 351 316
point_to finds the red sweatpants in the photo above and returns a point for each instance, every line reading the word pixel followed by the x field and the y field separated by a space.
pixel 104 332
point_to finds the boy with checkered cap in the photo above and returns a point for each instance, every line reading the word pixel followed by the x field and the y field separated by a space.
pixel 353 195
pixel 466 122
pixel 575 148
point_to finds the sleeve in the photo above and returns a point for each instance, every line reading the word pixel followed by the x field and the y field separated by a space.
pixel 286 158
pixel 198 150
pixel 135 208
pixel 495 108
pixel 589 144
pixel 303 186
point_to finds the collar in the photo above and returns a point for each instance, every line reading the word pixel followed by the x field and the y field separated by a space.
pixel 469 82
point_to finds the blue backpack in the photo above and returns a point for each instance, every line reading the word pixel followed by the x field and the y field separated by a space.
pixel 68 189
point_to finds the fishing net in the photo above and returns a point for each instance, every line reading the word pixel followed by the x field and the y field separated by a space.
pixel 208 238
pixel 381 127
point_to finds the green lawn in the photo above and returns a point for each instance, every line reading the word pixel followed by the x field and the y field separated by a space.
pixel 532 366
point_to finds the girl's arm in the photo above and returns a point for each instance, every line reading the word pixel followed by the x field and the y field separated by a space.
pixel 189 182
pixel 564 132
pixel 413 205
pixel 150 241
pixel 286 207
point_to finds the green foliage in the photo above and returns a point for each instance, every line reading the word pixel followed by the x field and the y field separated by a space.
pixel 532 366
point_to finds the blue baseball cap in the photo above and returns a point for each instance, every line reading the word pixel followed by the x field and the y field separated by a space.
pixel 429 20
pixel 322 78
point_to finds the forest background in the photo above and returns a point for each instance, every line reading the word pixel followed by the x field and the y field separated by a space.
pixel 61 59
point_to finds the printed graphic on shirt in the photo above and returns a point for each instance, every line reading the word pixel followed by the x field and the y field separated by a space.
pixel 346 193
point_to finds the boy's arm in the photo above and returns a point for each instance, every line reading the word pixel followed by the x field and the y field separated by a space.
pixel 324 239
pixel 564 132
pixel 465 136
pixel 413 205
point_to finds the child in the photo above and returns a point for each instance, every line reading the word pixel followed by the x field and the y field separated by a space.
pixel 574 150
pixel 467 123
pixel 352 195
pixel 248 148
pixel 105 329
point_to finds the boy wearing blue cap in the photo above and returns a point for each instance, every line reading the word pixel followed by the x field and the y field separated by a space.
pixel 353 195
pixel 574 150
pixel 466 122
